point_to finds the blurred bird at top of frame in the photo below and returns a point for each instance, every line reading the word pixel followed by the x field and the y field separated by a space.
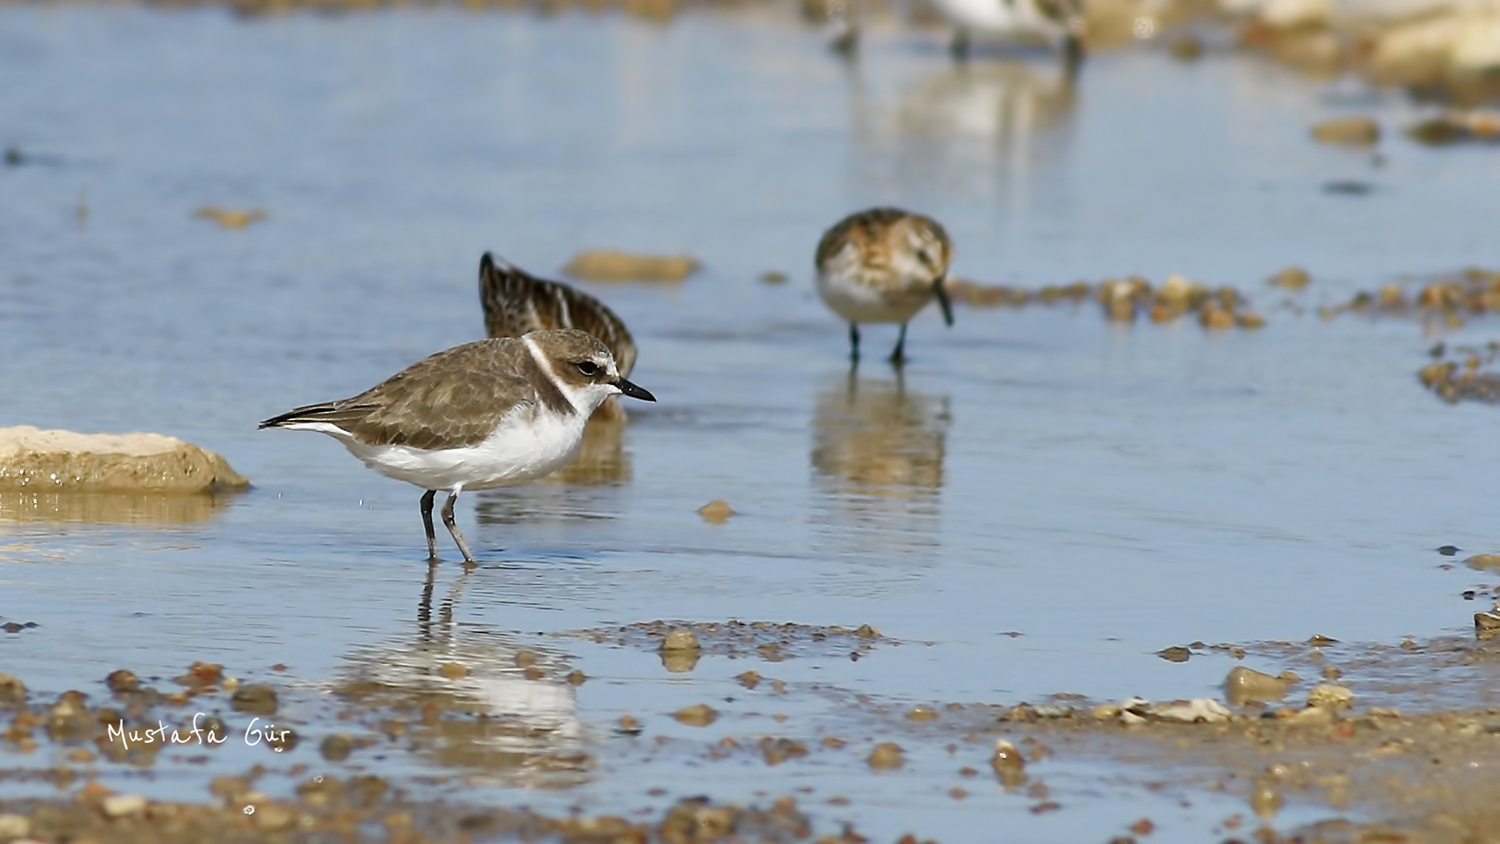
pixel 884 265
pixel 1059 22
pixel 516 303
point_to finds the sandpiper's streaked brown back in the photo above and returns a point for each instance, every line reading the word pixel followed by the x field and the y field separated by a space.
pixel 883 265
pixel 517 303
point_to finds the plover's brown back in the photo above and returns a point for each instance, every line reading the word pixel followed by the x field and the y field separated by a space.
pixel 517 303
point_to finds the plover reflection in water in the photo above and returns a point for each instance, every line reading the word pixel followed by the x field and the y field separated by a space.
pixel 486 414
pixel 516 303
pixel 884 265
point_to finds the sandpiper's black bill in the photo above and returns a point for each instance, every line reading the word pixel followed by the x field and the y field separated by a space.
pixel 941 289
pixel 629 389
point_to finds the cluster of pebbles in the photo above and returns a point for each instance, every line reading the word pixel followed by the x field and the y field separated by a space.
pixel 1125 300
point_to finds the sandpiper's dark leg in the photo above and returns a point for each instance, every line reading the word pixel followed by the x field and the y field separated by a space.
pixel 960 46
pixel 427 497
pixel 898 357
pixel 1072 55
pixel 453 527
pixel 853 341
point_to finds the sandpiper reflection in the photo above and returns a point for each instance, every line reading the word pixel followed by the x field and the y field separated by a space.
pixel 974 127
pixel 473 699
pixel 878 458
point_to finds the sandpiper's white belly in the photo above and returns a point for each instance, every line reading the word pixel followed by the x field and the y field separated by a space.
pixel 859 303
pixel 528 443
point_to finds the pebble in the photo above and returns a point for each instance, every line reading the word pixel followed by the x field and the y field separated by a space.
pixel 1357 131
pixel 697 715
pixel 1330 696
pixel 886 756
pixel 122 680
pixel 921 713
pixel 453 670
pixel 1292 278
pixel 230 218
pixel 14 826
pixel 12 690
pixel 1246 684
pixel 337 747
pixel 1009 765
pixel 120 805
pixel 681 640
pixel 256 698
pixel 716 512
pixel 610 265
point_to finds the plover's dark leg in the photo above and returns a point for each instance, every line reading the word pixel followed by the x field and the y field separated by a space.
pixel 853 341
pixel 898 357
pixel 453 527
pixel 427 498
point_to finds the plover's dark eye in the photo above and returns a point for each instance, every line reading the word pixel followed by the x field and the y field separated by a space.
pixel 588 367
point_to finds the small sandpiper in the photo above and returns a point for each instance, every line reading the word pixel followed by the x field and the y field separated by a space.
pixel 884 265
pixel 486 414
pixel 516 303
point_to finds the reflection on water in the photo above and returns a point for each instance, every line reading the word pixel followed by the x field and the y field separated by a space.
pixel 508 714
pixel 878 459
pixel 108 507
pixel 966 125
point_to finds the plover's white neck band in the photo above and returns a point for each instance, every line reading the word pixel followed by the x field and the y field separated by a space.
pixel 545 365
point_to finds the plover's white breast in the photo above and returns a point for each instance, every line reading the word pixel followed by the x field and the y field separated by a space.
pixel 529 442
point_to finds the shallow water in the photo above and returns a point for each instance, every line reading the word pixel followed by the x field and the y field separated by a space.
pixel 1103 491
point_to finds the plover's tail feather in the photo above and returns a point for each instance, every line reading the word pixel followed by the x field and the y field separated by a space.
pixel 329 413
pixel 516 303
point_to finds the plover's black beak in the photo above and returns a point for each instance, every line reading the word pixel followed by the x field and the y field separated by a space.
pixel 941 289
pixel 629 389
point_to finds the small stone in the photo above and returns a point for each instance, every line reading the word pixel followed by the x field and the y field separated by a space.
pixel 120 805
pixel 629 725
pixel 1246 684
pixel 1292 278
pixel 610 265
pixel 1329 696
pixel 337 747
pixel 12 690
pixel 272 817
pixel 230 218
pixel 773 277
pixel 1009 765
pixel 255 698
pixel 1185 48
pixel 14 826
pixel 716 512
pixel 453 670
pixel 748 679
pixel 1176 653
pixel 921 713
pixel 1264 799
pixel 886 756
pixel 576 678
pixel 697 715
pixel 1358 131
pixel 524 659
pixel 681 640
pixel 122 680
pixel 1198 710
pixel 865 631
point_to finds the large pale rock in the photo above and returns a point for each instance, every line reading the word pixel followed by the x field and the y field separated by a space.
pixel 1292 14
pixel 57 460
pixel 1426 50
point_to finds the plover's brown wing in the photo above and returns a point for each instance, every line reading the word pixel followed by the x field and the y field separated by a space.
pixel 516 303
pixel 452 399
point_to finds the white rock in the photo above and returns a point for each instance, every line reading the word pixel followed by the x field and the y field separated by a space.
pixel 14 826
pixel 1478 47
pixel 119 805
pixel 1292 14
pixel 1204 709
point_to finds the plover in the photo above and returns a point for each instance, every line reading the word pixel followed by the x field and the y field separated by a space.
pixel 883 265
pixel 516 303
pixel 1056 21
pixel 491 413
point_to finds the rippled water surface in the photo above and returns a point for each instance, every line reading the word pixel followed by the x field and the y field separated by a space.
pixel 1103 491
